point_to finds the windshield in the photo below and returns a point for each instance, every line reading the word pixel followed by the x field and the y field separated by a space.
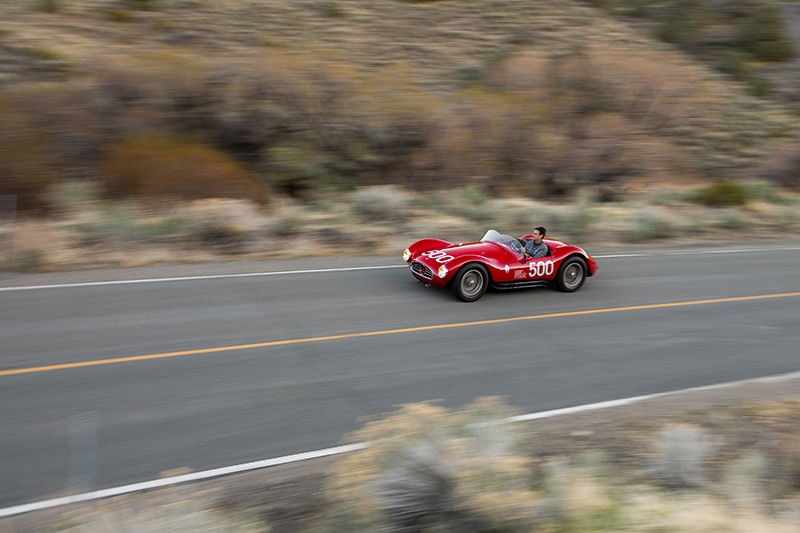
pixel 506 240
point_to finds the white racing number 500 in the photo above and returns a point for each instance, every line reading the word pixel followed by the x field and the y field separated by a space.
pixel 439 256
pixel 540 269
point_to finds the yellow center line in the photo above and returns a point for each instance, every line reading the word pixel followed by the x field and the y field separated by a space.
pixel 374 333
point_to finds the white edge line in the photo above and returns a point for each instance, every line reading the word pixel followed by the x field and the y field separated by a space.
pixel 617 256
pixel 191 278
pixel 699 252
pixel 194 476
pixel 327 452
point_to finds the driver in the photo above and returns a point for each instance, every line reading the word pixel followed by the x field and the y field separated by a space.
pixel 536 247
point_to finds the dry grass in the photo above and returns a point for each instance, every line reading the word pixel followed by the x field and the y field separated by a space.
pixel 92 232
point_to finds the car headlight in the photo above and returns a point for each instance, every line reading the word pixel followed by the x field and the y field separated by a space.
pixel 443 271
pixel 406 255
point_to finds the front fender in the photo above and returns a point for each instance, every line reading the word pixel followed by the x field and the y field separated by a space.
pixel 454 266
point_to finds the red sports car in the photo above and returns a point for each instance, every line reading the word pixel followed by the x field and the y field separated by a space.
pixel 498 261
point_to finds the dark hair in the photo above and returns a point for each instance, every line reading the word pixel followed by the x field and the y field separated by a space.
pixel 541 231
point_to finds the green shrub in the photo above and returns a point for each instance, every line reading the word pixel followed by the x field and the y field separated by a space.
pixel 297 167
pixel 385 204
pixel 473 195
pixel 786 217
pixel 164 227
pixel 289 227
pixel 574 223
pixel 794 471
pixel 223 237
pixel 47 6
pixel 683 25
pixel 43 53
pixel 648 227
pixel 734 63
pixel 113 220
pixel 762 35
pixel 72 196
pixel 26 260
pixel 665 197
pixel 330 9
pixel 119 15
pixel 732 220
pixel 143 5
pixel 721 193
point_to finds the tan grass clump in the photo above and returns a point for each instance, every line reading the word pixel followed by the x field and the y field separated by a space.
pixel 177 168
pixel 431 469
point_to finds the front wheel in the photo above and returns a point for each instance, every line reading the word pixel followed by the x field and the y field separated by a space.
pixel 571 275
pixel 471 282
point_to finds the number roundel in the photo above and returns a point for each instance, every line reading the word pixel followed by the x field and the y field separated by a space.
pixel 541 269
pixel 439 256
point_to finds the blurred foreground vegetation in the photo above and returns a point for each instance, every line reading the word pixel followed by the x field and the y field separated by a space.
pixel 731 468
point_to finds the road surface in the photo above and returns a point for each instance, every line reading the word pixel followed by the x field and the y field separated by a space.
pixel 256 360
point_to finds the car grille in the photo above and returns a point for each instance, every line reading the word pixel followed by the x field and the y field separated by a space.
pixel 421 270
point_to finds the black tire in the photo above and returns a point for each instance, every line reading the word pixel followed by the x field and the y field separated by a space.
pixel 572 274
pixel 470 282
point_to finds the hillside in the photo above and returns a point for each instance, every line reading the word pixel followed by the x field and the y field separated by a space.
pixel 301 102
pixel 613 77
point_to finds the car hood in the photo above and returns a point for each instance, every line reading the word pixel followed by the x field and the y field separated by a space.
pixel 473 249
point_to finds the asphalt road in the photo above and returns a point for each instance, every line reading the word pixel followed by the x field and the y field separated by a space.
pixel 89 427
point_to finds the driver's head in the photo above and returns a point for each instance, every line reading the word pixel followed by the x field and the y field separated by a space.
pixel 539 233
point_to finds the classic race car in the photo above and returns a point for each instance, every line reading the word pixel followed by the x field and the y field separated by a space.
pixel 498 261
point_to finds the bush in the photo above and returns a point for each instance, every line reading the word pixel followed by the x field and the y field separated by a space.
pixel 120 15
pixel 27 260
pixel 732 220
pixel 647 227
pixel 473 195
pixel 721 193
pixel 177 168
pixel 682 26
pixel 48 6
pixel 784 167
pixel 165 227
pixel 430 469
pixel 114 220
pixel 330 9
pixel 143 5
pixel 381 204
pixel 763 36
pixel 72 196
pixel 29 165
pixel 680 455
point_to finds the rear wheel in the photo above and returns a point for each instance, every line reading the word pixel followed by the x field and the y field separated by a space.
pixel 471 282
pixel 571 275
